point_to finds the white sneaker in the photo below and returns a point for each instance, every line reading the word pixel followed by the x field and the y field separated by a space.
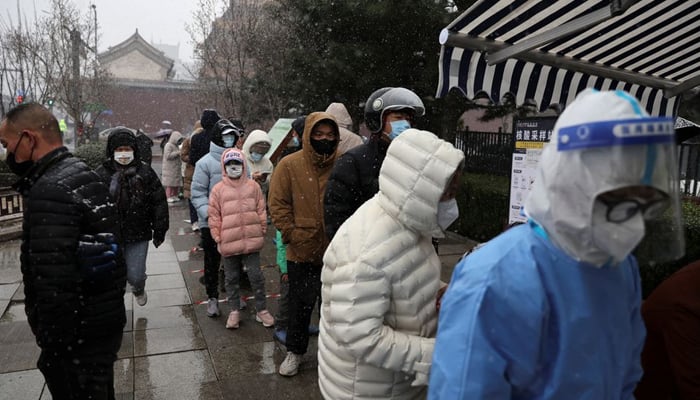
pixel 213 308
pixel 195 227
pixel 265 318
pixel 141 299
pixel 290 365
pixel 233 320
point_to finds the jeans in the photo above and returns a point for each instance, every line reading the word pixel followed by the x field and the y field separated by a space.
pixel 232 269
pixel 304 289
pixel 135 256
pixel 212 259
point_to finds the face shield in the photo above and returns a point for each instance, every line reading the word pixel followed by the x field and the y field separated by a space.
pixel 636 203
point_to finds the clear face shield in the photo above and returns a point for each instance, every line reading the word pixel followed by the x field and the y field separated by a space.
pixel 637 205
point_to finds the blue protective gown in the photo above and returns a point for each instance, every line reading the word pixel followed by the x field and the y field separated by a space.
pixel 523 320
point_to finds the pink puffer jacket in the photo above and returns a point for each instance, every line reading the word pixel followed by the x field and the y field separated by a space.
pixel 237 216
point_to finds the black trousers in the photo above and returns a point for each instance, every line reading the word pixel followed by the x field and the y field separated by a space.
pixel 86 376
pixel 304 289
pixel 212 260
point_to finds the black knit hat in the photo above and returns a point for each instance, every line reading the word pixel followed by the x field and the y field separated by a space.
pixel 120 136
pixel 209 118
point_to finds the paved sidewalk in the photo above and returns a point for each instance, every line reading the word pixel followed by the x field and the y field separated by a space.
pixel 171 349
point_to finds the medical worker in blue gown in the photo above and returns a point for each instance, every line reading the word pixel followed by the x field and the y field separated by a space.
pixel 550 309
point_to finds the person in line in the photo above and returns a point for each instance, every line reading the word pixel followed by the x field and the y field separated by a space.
pixel 348 138
pixel 172 167
pixel 257 145
pixel 73 276
pixel 187 176
pixel 671 354
pixel 282 315
pixel 355 177
pixel 296 206
pixel 238 222
pixel 140 199
pixel 551 309
pixel 381 276
pixel 199 144
pixel 207 173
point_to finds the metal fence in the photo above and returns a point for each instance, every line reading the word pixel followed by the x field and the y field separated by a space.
pixel 486 152
pixel 492 152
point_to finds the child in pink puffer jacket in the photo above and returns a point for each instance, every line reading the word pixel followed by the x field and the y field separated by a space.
pixel 238 222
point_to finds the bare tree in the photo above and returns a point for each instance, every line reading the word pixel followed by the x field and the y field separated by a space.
pixel 49 61
pixel 237 55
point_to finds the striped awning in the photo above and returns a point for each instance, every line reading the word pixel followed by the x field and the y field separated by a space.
pixel 549 51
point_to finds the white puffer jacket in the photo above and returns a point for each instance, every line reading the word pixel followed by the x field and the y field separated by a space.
pixel 381 276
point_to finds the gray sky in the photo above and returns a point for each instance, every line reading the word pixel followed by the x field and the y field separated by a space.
pixel 158 21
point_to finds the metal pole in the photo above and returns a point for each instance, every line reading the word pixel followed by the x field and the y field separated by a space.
pixel 94 9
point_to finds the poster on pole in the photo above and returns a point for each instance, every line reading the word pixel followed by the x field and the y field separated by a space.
pixel 531 136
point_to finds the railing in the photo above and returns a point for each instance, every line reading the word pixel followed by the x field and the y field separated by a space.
pixel 492 152
pixel 11 206
pixel 486 152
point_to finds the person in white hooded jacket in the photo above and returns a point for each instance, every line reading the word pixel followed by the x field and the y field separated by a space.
pixel 551 309
pixel 255 148
pixel 381 276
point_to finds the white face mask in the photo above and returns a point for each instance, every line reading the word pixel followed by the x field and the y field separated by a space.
pixel 616 240
pixel 234 171
pixel 447 213
pixel 124 157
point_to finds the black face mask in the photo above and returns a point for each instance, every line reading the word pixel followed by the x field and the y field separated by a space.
pixel 324 146
pixel 19 168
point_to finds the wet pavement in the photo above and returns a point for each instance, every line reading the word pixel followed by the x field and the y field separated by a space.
pixel 170 348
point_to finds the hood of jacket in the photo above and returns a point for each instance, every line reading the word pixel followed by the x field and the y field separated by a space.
pixel 256 136
pixel 417 168
pixel 307 150
pixel 240 156
pixel 122 136
pixel 341 115
pixel 567 183
pixel 175 138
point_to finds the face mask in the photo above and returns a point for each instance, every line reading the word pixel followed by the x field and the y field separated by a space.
pixel 616 240
pixel 256 156
pixel 234 171
pixel 397 127
pixel 295 141
pixel 124 157
pixel 229 140
pixel 447 213
pixel 19 168
pixel 324 146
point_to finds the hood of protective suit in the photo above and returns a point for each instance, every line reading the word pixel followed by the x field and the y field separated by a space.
pixel 341 114
pixel 568 182
pixel 254 137
pixel 417 168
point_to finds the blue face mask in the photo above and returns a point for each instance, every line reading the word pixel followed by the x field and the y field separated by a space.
pixel 256 156
pixel 397 127
pixel 295 141
pixel 228 140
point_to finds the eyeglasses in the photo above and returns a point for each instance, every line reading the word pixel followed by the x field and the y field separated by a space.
pixel 624 209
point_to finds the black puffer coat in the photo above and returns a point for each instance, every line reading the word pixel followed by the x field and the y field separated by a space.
pixel 137 192
pixel 354 180
pixel 69 311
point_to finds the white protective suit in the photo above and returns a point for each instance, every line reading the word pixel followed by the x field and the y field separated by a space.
pixel 381 276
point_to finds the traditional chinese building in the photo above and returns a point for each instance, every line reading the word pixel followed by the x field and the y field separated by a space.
pixel 146 88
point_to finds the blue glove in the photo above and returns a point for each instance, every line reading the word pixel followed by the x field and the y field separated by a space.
pixel 97 255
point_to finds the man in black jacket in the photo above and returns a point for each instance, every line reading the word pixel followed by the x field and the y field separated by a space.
pixel 141 205
pixel 73 285
pixel 355 177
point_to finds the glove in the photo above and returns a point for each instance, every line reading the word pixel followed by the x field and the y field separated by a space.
pixel 284 278
pixel 97 255
pixel 158 239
